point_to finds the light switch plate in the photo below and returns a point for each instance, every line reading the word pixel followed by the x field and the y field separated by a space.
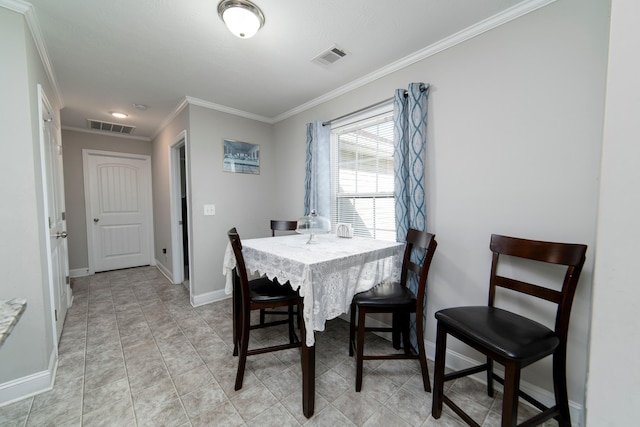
pixel 209 209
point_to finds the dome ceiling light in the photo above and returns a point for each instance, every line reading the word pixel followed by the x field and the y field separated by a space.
pixel 241 17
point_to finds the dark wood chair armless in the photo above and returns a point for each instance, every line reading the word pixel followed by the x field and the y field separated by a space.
pixel 258 294
pixel 400 301
pixel 508 338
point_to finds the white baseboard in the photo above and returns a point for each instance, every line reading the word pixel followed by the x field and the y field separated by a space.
pixel 79 272
pixel 164 270
pixel 209 297
pixel 28 386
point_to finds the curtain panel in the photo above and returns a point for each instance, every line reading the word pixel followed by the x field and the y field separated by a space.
pixel 317 183
pixel 410 137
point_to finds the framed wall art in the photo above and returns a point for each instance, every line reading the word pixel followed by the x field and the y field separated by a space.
pixel 241 157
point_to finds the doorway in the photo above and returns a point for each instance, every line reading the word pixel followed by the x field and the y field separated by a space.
pixel 180 212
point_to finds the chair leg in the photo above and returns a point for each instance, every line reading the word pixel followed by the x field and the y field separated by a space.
pixel 405 323
pixel 360 348
pixel 352 329
pixel 244 347
pixel 262 316
pixel 490 377
pixel 422 354
pixel 236 313
pixel 510 397
pixel 560 387
pixel 395 334
pixel 438 374
pixel 292 333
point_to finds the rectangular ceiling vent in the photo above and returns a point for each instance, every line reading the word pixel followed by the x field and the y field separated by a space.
pixel 110 127
pixel 330 56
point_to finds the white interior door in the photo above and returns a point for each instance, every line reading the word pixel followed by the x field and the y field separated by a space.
pixel 53 184
pixel 118 199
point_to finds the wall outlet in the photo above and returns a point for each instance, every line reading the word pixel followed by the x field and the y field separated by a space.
pixel 209 209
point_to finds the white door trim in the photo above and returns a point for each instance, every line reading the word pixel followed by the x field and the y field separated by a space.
pixel 45 110
pixel 87 200
pixel 177 255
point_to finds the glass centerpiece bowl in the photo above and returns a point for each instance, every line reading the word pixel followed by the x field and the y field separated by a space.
pixel 313 224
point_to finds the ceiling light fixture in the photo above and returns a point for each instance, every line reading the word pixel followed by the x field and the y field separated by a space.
pixel 140 107
pixel 119 115
pixel 241 17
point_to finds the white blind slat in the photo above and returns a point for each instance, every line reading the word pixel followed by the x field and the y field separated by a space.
pixel 362 176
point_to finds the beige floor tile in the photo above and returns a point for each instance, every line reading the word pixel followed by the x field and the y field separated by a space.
pixel 135 352
pixel 203 399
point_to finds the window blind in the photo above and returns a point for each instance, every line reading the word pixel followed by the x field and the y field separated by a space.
pixel 362 177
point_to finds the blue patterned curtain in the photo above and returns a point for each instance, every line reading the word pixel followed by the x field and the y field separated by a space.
pixel 410 136
pixel 317 183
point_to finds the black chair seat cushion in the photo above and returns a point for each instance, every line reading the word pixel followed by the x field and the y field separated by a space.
pixel 263 290
pixel 506 334
pixel 386 295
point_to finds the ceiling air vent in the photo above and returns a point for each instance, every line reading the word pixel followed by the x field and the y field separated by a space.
pixel 330 56
pixel 110 127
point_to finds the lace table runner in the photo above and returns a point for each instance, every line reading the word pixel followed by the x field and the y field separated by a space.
pixel 328 274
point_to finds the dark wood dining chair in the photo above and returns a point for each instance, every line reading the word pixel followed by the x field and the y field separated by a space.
pixel 508 338
pixel 398 299
pixel 279 225
pixel 257 294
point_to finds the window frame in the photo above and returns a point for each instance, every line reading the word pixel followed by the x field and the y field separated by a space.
pixel 381 114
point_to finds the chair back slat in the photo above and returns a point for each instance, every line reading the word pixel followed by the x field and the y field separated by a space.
pixel 554 253
pixel 529 288
pixel 282 225
pixel 570 255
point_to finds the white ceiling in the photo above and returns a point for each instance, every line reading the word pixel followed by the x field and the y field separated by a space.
pixel 107 55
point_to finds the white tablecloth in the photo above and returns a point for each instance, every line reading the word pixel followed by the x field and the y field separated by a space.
pixel 328 274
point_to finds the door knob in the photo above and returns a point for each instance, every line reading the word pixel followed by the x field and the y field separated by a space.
pixel 62 234
pixel 96 220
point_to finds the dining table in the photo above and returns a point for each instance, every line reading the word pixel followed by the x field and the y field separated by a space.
pixel 327 274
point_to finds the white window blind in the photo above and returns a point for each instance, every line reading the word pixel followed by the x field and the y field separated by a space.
pixel 362 176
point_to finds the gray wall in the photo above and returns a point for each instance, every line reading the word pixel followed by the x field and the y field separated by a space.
pixel 73 142
pixel 161 186
pixel 29 350
pixel 514 139
pixel 242 200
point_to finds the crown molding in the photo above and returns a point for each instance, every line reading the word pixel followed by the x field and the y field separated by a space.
pixel 181 106
pixel 27 10
pixel 103 133
pixel 15 5
pixel 190 100
pixel 206 104
pixel 475 30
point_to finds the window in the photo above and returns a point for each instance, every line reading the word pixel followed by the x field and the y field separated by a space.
pixel 362 175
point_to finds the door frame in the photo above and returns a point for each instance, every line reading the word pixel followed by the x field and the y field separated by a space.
pixel 177 255
pixel 45 110
pixel 86 152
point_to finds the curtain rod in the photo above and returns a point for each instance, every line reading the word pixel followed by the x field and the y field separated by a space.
pixel 369 107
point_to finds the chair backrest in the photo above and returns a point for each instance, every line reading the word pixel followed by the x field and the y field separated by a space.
pixel 281 225
pixel 240 270
pixel 422 245
pixel 570 255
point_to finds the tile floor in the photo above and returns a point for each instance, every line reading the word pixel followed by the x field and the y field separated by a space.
pixel 134 352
